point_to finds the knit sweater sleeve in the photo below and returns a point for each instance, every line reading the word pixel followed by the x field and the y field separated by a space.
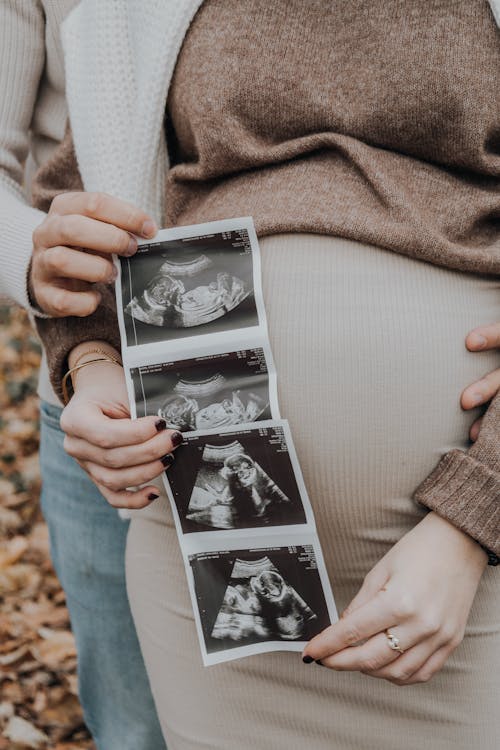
pixel 22 57
pixel 464 487
pixel 59 336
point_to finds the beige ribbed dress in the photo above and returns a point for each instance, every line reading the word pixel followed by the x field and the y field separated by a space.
pixel 370 358
pixel 360 124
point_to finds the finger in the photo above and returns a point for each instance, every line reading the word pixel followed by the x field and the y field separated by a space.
pixel 432 666
pixel 481 391
pixel 483 337
pixel 65 262
pixel 127 456
pixel 106 208
pixel 374 654
pixel 105 432
pixel 60 302
pixel 131 499
pixel 406 669
pixel 117 480
pixel 373 617
pixel 372 584
pixel 474 430
pixel 81 231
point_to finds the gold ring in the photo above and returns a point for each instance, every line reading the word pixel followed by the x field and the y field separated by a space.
pixel 393 642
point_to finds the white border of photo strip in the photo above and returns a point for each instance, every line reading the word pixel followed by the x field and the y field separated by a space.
pixel 215 343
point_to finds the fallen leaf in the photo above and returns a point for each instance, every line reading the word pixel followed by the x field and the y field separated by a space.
pixel 66 714
pixel 11 691
pixel 71 681
pixel 56 647
pixel 12 656
pixel 21 732
pixel 20 576
pixel 43 612
pixel 12 551
pixel 10 521
pixel 6 711
pixel 39 539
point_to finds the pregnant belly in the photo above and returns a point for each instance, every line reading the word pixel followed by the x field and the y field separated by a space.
pixel 371 361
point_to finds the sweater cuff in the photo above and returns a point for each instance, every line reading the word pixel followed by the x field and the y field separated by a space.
pixel 18 221
pixel 60 335
pixel 466 493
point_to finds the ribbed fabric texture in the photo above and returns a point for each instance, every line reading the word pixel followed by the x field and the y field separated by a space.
pixel 369 361
pixel 32 118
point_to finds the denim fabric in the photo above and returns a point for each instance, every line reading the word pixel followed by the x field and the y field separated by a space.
pixel 87 540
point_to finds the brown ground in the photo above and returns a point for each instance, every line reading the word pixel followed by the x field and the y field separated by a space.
pixel 39 707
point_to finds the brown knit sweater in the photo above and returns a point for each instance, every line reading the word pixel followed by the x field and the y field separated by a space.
pixel 377 120
pixel 345 119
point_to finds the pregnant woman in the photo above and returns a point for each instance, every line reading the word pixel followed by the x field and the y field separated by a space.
pixel 363 139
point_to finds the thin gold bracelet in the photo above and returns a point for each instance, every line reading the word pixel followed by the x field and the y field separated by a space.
pixel 95 351
pixel 64 382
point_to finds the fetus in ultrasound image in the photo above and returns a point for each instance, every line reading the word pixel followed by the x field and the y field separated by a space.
pixel 170 300
pixel 207 404
pixel 257 599
pixel 245 483
pixel 171 287
pixel 259 602
pixel 241 494
pixel 203 393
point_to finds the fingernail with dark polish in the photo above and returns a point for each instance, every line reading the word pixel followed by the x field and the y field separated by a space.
pixel 307 659
pixel 152 496
pixel 319 663
pixel 167 460
pixel 176 439
pixel 160 425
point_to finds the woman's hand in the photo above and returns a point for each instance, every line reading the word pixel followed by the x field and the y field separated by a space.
pixel 62 268
pixel 116 451
pixel 482 391
pixel 421 591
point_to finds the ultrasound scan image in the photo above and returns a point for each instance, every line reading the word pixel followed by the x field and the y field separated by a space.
pixel 259 603
pixel 180 288
pixel 232 490
pixel 173 298
pixel 212 403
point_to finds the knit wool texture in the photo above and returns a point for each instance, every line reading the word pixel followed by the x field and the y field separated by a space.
pixel 378 123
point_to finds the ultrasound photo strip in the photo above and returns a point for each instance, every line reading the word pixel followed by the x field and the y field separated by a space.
pixel 196 352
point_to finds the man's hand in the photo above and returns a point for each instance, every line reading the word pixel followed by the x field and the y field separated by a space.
pixel 482 391
pixel 72 250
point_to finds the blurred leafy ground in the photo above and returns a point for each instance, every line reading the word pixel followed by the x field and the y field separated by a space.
pixel 39 707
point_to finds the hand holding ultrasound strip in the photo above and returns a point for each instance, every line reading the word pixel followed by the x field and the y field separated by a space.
pixel 196 352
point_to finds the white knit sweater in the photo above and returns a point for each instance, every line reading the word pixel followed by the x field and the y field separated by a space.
pixel 109 64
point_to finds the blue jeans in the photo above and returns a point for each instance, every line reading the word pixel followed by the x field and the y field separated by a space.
pixel 87 540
